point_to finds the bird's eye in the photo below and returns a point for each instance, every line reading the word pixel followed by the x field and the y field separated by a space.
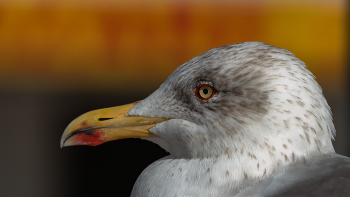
pixel 205 91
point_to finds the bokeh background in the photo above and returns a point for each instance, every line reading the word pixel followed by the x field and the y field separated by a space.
pixel 61 58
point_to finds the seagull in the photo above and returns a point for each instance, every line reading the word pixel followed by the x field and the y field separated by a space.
pixel 246 119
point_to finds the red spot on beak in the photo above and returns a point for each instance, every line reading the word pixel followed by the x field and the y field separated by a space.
pixel 96 138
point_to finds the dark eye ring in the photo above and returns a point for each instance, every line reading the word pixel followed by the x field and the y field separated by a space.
pixel 205 91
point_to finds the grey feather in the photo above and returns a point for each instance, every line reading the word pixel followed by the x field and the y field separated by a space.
pixel 328 176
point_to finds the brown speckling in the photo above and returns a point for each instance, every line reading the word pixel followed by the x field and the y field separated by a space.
pixel 318 144
pixel 293 156
pixel 329 132
pixel 307 137
pixel 307 89
pixel 227 173
pixel 320 125
pixel 176 164
pixel 285 146
pixel 286 124
pixel 301 103
pixel 313 130
pixel 298 118
pixel 251 156
pixel 311 113
pixel 208 170
pixel 305 127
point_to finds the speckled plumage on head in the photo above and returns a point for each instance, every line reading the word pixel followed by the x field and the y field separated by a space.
pixel 268 112
pixel 257 84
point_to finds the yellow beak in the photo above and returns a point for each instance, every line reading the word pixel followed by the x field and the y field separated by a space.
pixel 103 125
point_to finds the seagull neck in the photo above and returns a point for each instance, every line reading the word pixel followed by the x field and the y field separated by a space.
pixel 204 175
pixel 259 161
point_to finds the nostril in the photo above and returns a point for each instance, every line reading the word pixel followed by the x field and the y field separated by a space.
pixel 103 119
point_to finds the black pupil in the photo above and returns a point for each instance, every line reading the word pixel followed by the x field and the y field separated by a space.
pixel 205 91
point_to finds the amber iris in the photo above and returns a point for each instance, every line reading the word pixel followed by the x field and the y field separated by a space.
pixel 205 91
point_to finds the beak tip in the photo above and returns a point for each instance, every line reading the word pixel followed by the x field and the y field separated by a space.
pixel 62 143
pixel 65 142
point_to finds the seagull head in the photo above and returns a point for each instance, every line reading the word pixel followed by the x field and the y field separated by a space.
pixel 245 100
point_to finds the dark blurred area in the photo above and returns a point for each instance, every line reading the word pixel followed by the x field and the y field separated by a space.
pixel 60 59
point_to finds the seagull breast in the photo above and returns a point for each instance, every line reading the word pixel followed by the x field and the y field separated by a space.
pixel 231 118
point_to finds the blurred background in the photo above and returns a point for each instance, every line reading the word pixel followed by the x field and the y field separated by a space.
pixel 62 58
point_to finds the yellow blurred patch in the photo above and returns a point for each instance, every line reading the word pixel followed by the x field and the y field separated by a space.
pixel 72 45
